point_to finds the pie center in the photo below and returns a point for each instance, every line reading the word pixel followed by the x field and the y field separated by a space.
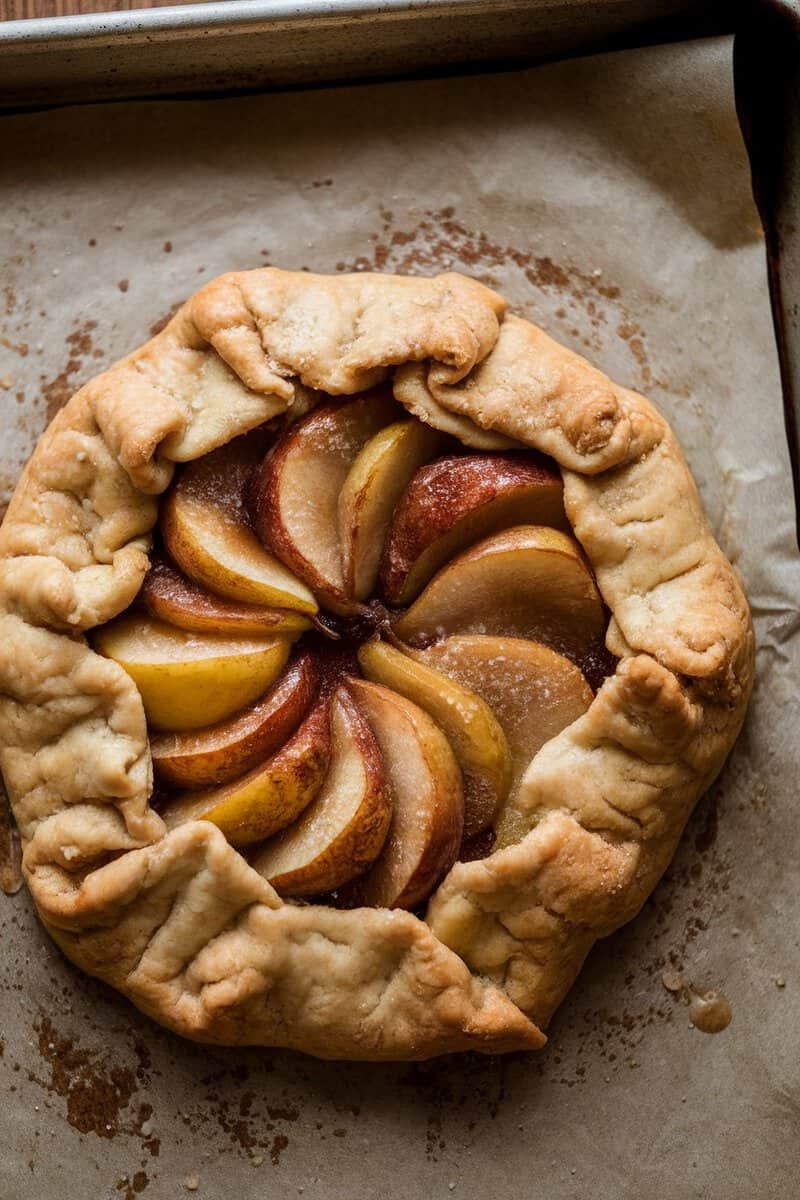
pixel 355 635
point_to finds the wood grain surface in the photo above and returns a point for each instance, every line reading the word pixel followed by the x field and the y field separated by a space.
pixel 14 10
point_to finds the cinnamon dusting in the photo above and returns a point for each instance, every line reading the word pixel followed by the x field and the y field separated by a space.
pixel 439 241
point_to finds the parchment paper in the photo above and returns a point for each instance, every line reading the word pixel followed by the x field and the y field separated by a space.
pixel 608 199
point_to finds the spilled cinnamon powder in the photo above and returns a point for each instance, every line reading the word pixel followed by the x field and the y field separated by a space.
pixel 95 1091
pixel 440 241
pixel 57 390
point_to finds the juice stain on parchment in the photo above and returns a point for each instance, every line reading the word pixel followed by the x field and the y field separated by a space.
pixel 709 1010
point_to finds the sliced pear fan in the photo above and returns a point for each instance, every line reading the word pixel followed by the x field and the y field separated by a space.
pixel 427 800
pixel 207 533
pixel 370 493
pixel 370 788
pixel 533 692
pixel 478 742
pixel 343 830
pixel 530 582
pixel 295 495
pixel 187 680
pixel 270 796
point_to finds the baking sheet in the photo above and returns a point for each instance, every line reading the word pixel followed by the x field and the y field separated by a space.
pixel 608 198
pixel 245 44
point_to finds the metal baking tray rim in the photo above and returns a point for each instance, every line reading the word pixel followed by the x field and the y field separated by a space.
pixel 230 16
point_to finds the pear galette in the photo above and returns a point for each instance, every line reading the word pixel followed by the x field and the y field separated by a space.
pixel 362 655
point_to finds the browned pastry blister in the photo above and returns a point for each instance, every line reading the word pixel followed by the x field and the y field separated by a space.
pixel 179 922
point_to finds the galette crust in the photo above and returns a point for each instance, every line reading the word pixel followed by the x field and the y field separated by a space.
pixel 178 921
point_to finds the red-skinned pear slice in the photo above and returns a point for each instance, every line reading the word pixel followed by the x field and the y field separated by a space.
pixel 475 736
pixel 533 691
pixel 269 797
pixel 187 680
pixel 531 582
pixel 458 500
pixel 170 596
pixel 370 493
pixel 295 495
pixel 221 752
pixel 427 800
pixel 207 531
pixel 342 831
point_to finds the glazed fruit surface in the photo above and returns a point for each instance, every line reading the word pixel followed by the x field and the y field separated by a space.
pixel 354 637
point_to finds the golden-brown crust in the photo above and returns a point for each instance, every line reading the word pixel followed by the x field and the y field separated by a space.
pixel 178 921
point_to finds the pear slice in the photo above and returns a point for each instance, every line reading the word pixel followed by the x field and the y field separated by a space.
pixel 342 831
pixel 270 796
pixel 188 680
pixel 533 692
pixel 529 582
pixel 475 736
pixel 221 752
pixel 457 500
pixel 427 800
pixel 295 495
pixel 170 596
pixel 207 532
pixel 369 494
